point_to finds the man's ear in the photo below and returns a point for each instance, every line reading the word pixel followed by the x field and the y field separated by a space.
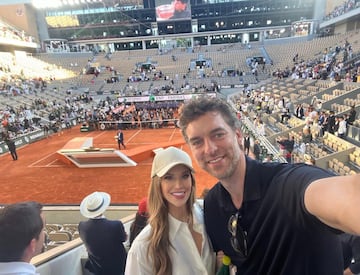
pixel 238 134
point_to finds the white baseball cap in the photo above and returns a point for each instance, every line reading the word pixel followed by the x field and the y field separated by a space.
pixel 165 159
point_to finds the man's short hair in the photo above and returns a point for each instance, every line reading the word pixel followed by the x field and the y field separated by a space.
pixel 197 107
pixel 19 224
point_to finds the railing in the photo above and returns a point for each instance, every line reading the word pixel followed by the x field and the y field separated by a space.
pixel 66 259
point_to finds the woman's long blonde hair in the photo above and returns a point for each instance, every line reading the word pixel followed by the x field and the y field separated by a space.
pixel 159 246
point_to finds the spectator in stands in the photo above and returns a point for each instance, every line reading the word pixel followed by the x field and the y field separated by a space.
pixel 174 242
pixel 103 238
pixel 246 144
pixel 140 220
pixel 299 111
pixel 21 237
pixel 352 115
pixel 260 128
pixel 306 135
pixel 288 146
pixel 342 128
pixel 269 218
pixel 285 114
pixel 257 149
pixel 331 122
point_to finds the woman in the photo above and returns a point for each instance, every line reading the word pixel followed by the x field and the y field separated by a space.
pixel 174 242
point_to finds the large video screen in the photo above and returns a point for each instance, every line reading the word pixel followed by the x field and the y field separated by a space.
pixel 167 10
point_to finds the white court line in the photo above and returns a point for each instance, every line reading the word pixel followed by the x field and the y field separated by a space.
pixel 99 135
pixel 50 164
pixel 134 135
pixel 173 133
pixel 36 162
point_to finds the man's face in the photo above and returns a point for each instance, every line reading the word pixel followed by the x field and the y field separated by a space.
pixel 214 145
pixel 179 6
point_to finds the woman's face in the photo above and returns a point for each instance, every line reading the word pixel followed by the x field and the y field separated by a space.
pixel 176 187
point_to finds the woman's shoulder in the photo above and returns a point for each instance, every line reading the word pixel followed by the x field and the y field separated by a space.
pixel 144 234
pixel 140 243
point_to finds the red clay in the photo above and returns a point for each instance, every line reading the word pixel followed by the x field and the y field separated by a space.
pixel 41 174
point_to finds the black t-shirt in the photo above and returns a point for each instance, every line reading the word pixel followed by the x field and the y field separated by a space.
pixel 283 238
pixel 351 252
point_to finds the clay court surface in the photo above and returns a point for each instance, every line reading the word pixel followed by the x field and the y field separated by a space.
pixel 41 174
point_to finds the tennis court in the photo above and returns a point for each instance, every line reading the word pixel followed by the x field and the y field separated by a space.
pixel 41 174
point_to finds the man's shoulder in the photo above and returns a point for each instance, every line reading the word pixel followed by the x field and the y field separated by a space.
pixel 300 173
pixel 19 268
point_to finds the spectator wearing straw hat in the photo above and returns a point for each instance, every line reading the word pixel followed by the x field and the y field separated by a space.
pixel 103 238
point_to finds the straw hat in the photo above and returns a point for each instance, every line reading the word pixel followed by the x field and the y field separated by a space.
pixel 95 204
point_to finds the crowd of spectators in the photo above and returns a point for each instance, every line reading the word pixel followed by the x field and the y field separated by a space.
pixel 342 9
pixel 113 114
pixel 11 33
pixel 328 65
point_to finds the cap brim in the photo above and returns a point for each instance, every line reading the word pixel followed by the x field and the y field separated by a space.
pixel 165 169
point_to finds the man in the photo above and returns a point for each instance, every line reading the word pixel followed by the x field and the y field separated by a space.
pixel 103 238
pixel 352 115
pixel 341 130
pixel 21 237
pixel 181 9
pixel 269 218
pixel 257 150
pixel 247 144
pixel 12 147
pixel 331 122
pixel 287 147
pixel 120 139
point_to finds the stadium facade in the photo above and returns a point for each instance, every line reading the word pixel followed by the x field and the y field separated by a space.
pixel 131 25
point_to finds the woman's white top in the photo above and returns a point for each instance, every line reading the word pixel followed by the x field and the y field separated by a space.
pixel 184 254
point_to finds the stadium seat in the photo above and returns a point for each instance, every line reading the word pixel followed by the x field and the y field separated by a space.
pixel 60 236
pixel 352 157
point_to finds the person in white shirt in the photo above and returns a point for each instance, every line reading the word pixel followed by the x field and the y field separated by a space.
pixel 341 132
pixel 21 237
pixel 175 241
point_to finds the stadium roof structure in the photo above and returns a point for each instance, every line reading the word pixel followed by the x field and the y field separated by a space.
pixel 14 2
pixel 43 4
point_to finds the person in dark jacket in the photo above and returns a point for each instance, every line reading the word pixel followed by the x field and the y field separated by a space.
pixel 12 147
pixel 140 220
pixel 247 144
pixel 120 139
pixel 104 239
pixel 257 150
